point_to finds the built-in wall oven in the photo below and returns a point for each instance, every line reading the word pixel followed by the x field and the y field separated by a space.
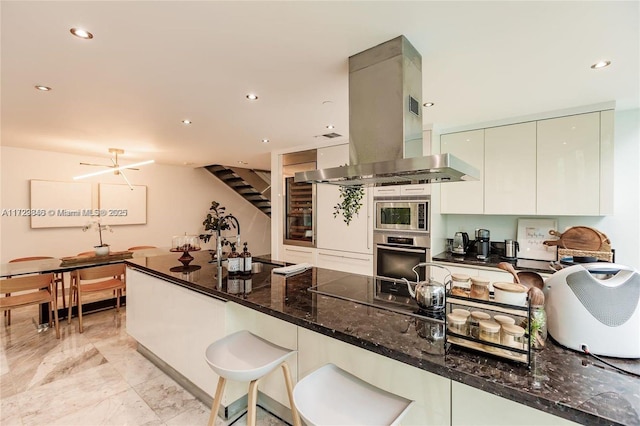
pixel 402 240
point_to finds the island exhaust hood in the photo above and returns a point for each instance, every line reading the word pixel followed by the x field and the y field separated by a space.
pixel 385 124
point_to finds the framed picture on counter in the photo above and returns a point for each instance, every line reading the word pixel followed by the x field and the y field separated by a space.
pixel 531 235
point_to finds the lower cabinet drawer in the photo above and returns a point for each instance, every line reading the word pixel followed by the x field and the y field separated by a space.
pixel 295 254
pixel 355 263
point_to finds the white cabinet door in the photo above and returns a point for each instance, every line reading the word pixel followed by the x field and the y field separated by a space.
pixel 429 391
pixel 606 162
pixel 464 197
pixel 176 324
pixel 298 254
pixel 333 233
pixel 355 263
pixel 510 169
pixel 471 406
pixel 569 165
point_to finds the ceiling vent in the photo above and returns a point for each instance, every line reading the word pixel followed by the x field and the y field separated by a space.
pixel 332 135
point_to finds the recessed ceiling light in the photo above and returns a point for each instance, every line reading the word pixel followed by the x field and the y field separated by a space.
pixel 252 96
pixel 265 140
pixel 330 126
pixel 185 121
pixel 600 64
pixel 42 88
pixel 78 32
pixel 242 162
pixel 428 104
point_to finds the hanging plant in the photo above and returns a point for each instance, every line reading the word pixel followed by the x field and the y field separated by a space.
pixel 350 202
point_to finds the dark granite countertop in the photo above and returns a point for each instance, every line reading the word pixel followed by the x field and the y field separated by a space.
pixel 561 382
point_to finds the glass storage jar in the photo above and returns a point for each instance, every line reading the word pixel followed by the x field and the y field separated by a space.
pixel 512 336
pixel 457 324
pixel 479 288
pixel 461 312
pixel 490 332
pixel 474 322
pixel 460 285
pixel 504 320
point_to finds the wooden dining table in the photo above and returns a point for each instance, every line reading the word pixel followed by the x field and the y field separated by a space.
pixel 73 263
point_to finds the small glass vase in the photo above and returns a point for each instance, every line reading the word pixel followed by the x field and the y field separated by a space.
pixel 538 330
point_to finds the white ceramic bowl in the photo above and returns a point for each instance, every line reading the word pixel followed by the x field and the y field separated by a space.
pixel 510 293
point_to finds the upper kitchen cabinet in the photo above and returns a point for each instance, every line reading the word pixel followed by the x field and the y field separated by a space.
pixel 464 197
pixel 333 232
pixel 510 169
pixel 575 162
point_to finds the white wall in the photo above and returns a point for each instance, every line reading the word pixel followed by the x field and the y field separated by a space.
pixel 622 228
pixel 178 199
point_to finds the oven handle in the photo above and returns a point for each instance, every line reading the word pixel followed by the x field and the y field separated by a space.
pixel 406 250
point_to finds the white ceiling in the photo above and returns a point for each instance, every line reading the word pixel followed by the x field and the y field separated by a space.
pixel 153 63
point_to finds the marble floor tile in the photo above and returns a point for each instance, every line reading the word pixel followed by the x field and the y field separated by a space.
pixel 124 408
pixel 166 397
pixel 10 413
pixel 6 386
pixel 197 415
pixel 55 365
pixel 93 378
pixel 46 403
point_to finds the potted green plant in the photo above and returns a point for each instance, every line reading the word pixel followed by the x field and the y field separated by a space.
pixel 350 202
pixel 102 249
pixel 216 221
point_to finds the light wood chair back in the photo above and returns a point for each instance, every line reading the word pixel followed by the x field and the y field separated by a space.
pixel 27 259
pixel 90 280
pixel 30 290
pixel 58 278
pixel 141 248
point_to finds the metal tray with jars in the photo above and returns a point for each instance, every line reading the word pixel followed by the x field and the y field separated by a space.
pixel 484 325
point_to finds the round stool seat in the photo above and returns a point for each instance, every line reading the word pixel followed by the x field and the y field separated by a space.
pixel 244 357
pixel 331 396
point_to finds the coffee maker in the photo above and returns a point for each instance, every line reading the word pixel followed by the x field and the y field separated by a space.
pixel 482 244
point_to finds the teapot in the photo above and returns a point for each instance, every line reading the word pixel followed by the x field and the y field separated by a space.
pixel 429 294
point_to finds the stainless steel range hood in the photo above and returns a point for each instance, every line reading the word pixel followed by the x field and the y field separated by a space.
pixel 385 124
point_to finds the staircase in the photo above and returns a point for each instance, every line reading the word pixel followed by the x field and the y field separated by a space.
pixel 253 185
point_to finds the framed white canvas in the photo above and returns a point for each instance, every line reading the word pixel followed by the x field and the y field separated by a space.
pixel 531 235
pixel 59 204
pixel 120 205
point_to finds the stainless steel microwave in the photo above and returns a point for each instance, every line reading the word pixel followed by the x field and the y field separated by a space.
pixel 402 215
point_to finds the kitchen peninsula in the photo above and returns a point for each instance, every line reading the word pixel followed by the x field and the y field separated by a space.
pixel 173 315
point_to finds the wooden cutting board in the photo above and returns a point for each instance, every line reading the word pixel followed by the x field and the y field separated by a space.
pixel 580 238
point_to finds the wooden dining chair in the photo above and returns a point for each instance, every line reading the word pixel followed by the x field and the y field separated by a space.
pixel 58 279
pixel 90 280
pixel 30 290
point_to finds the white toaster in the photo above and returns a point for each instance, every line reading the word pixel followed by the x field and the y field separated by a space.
pixel 601 314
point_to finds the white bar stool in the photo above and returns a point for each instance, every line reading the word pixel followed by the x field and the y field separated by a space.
pixel 245 357
pixel 331 396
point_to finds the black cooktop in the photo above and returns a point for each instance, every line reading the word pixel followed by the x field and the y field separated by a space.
pixel 370 291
